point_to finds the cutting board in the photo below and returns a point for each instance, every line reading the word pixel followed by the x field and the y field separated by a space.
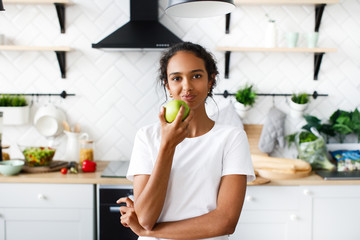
pixel 253 132
pixel 54 166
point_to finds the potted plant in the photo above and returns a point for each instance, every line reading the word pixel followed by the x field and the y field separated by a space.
pixel 298 104
pixel 15 109
pixel 245 99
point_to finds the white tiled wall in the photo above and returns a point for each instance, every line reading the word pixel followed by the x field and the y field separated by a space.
pixel 116 92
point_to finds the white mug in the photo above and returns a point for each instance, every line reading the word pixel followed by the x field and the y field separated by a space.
pixel 2 39
pixel 292 39
pixel 312 39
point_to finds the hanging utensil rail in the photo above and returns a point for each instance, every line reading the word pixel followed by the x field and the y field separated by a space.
pixel 314 94
pixel 63 94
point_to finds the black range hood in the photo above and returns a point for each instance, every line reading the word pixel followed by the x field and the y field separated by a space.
pixel 143 31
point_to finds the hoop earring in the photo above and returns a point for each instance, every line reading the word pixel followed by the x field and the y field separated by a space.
pixel 170 95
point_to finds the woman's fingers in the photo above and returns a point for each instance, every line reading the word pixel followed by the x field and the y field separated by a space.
pixel 128 201
pixel 127 213
pixel 189 117
pixel 124 221
pixel 162 115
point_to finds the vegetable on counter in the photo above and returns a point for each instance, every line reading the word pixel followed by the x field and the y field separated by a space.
pixel 88 166
pixel 38 156
pixel 64 170
pixel 312 148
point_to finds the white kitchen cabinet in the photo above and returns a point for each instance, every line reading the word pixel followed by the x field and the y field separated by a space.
pixel 300 212
pixel 335 212
pixel 271 212
pixel 47 211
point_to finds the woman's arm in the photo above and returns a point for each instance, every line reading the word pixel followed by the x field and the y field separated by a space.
pixel 150 190
pixel 221 221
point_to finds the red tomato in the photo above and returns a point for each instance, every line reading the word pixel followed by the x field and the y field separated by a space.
pixel 63 170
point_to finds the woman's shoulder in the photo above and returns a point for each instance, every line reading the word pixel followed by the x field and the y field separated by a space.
pixel 229 132
pixel 219 127
pixel 150 130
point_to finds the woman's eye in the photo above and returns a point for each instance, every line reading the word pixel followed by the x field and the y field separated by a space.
pixel 197 76
pixel 176 78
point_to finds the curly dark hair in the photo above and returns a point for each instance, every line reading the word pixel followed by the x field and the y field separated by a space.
pixel 197 50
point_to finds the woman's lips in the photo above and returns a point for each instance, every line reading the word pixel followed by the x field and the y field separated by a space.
pixel 188 98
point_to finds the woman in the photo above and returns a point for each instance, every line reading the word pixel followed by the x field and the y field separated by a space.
pixel 189 176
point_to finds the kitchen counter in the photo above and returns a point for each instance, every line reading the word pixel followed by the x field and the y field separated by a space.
pixel 95 178
pixel 57 177
pixel 253 133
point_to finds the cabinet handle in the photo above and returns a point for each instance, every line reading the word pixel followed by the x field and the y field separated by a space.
pixel 41 196
pixel 307 192
pixel 294 217
pixel 249 198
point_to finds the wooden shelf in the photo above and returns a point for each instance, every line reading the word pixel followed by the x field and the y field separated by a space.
pixel 284 2
pixel 262 49
pixel 37 1
pixel 59 51
pixel 318 54
pixel 34 48
pixel 59 6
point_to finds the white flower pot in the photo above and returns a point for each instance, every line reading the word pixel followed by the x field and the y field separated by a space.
pixel 15 115
pixel 297 110
pixel 241 109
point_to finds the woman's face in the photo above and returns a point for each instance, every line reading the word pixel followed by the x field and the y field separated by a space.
pixel 188 79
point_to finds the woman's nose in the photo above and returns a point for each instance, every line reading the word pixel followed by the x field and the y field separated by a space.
pixel 187 86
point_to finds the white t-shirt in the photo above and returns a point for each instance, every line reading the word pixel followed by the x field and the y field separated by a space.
pixel 198 165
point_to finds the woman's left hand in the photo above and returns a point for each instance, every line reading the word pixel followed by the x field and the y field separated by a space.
pixel 128 216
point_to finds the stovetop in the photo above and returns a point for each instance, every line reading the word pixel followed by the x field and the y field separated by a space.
pixel 116 169
pixel 335 175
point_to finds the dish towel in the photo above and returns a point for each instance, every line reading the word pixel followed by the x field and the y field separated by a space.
pixel 273 131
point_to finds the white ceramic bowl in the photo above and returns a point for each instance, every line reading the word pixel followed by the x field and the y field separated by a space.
pixel 11 167
pixel 48 120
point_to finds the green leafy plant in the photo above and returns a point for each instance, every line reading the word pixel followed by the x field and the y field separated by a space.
pixel 246 95
pixel 7 100
pixel 301 98
pixel 345 123
pixel 340 124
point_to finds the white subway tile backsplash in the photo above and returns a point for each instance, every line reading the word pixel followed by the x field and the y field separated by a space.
pixel 117 92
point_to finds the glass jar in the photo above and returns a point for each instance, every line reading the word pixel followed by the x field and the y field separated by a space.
pixel 86 150
pixel 5 152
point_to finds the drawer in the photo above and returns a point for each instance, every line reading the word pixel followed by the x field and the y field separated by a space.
pixel 47 195
pixel 271 198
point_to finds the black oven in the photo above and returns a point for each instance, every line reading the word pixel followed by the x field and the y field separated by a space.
pixel 109 226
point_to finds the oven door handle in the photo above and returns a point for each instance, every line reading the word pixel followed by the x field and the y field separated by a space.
pixel 114 209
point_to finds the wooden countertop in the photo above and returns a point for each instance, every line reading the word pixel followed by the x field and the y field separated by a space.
pixel 253 133
pixel 95 178
pixel 57 177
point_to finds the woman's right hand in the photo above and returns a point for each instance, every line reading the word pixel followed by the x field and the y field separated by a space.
pixel 175 132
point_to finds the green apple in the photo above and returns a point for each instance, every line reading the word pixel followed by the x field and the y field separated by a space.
pixel 172 108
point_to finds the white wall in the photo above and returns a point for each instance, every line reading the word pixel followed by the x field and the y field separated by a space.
pixel 116 92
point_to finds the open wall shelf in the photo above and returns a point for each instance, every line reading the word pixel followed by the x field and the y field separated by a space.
pixel 319 8
pixel 59 5
pixel 318 54
pixel 284 2
pixel 59 51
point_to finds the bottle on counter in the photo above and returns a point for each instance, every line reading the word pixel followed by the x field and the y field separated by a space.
pixel 5 154
pixel 86 150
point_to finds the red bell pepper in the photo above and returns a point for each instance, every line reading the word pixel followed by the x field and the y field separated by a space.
pixel 88 166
